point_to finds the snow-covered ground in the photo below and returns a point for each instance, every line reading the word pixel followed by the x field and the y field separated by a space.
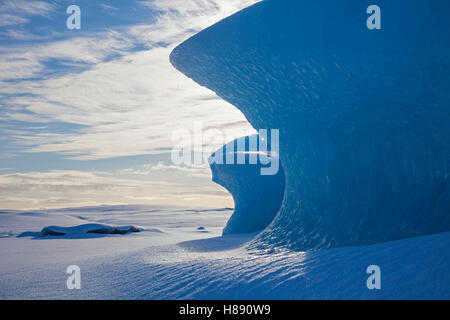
pixel 181 255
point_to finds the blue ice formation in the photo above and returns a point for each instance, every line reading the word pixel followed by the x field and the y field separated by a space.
pixel 364 115
pixel 257 197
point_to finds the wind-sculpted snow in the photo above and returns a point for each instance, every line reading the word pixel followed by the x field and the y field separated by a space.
pixel 257 198
pixel 84 231
pixel 364 115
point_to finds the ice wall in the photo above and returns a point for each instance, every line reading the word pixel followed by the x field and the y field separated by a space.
pixel 257 198
pixel 364 115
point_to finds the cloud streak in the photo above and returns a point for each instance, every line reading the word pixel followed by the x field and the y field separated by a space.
pixel 112 92
pixel 136 99
pixel 66 188
pixel 16 12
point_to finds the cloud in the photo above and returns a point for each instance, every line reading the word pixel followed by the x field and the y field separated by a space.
pixel 9 19
pixel 66 188
pixel 107 7
pixel 27 7
pixel 29 63
pixel 185 8
pixel 15 12
pixel 198 171
pixel 111 92
pixel 128 102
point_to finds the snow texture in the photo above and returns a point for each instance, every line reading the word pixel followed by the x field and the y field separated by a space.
pixel 181 263
pixel 81 231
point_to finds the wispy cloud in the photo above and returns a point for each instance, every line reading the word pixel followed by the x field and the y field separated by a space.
pixel 199 171
pixel 29 63
pixel 108 8
pixel 27 7
pixel 58 189
pixel 10 19
pixel 112 92
pixel 128 105
pixel 15 12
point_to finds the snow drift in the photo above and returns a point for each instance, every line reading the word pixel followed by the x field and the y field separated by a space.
pixel 364 115
pixel 257 198
pixel 89 230
pixel 182 263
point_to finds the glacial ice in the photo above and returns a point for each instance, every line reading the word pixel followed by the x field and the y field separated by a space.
pixel 257 198
pixel 364 115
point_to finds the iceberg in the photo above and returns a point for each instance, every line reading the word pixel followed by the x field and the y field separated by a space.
pixel 257 197
pixel 363 114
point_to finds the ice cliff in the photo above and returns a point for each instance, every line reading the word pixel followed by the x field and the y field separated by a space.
pixel 257 197
pixel 364 115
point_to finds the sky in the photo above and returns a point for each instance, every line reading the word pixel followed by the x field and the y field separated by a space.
pixel 87 117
